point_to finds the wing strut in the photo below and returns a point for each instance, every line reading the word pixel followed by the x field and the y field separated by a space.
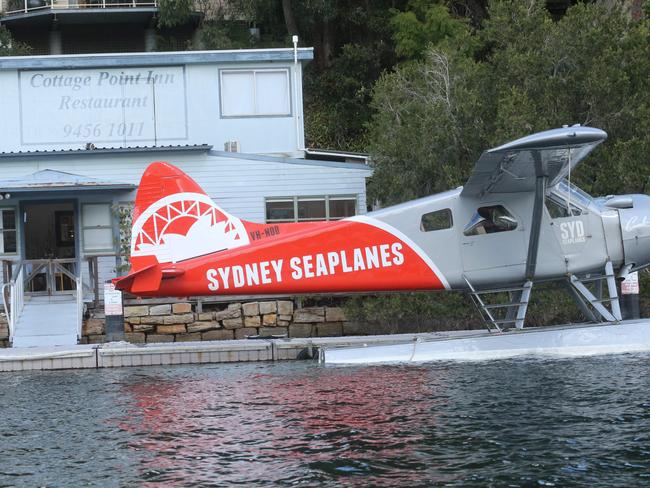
pixel 541 177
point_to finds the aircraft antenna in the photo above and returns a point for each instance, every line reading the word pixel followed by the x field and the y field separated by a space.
pixel 568 200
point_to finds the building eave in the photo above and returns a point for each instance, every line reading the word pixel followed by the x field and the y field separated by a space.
pixel 69 61
pixel 302 162
pixel 199 148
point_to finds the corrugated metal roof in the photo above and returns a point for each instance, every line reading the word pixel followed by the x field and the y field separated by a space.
pixel 109 150
pixel 51 180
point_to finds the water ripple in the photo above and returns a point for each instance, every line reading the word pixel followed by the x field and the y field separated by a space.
pixel 502 423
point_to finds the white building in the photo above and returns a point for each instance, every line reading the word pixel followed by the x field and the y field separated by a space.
pixel 77 131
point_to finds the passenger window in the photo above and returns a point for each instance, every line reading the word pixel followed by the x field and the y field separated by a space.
pixel 490 220
pixel 438 220
pixel 558 209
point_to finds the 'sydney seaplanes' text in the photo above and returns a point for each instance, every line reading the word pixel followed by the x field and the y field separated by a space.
pixel 305 267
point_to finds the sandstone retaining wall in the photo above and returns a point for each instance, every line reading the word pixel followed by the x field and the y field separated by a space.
pixel 177 322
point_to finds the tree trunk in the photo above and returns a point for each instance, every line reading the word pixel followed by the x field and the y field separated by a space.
pixel 327 46
pixel 289 19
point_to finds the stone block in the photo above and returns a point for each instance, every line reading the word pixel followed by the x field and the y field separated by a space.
pixel 182 307
pixel 143 327
pixel 4 331
pixel 334 314
pixel 244 332
pixel 329 329
pixel 133 320
pixel 159 338
pixel 205 316
pixel 93 327
pixel 96 339
pixel 269 319
pixel 160 320
pixel 134 337
pixel 83 340
pixel 218 335
pixel 300 330
pixel 267 331
pixel 171 329
pixel 138 310
pixel 165 309
pixel 283 323
pixel 233 323
pixel 309 314
pixel 195 336
pixel 252 321
pixel 184 318
pixel 202 326
pixel 252 308
pixel 286 318
pixel 228 314
pixel 285 307
pixel 128 327
pixel 234 306
pixel 268 307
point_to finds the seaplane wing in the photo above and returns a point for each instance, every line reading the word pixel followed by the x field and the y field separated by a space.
pixel 515 166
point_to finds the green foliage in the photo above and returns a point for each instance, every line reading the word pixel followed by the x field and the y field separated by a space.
pixel 9 47
pixel 172 13
pixel 521 73
pixel 424 23
pixel 338 100
pixel 124 214
pixel 413 312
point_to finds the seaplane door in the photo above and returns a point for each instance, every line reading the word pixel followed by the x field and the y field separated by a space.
pixel 574 226
pixel 493 241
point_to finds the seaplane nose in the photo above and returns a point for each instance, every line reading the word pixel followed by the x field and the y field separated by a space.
pixel 634 212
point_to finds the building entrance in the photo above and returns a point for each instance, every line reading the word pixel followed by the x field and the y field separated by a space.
pixel 50 251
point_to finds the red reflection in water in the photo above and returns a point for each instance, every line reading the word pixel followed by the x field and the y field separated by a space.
pixel 249 426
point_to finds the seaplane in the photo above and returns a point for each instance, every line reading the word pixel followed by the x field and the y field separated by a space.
pixel 517 222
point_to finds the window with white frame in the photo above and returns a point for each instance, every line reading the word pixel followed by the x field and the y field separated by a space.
pixel 97 227
pixel 8 242
pixel 250 93
pixel 309 209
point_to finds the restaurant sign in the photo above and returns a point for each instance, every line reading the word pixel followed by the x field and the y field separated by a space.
pixel 113 107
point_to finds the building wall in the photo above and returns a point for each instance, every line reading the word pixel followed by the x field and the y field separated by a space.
pixel 183 106
pixel 237 183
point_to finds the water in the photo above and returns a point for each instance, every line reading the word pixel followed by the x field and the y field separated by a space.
pixel 578 422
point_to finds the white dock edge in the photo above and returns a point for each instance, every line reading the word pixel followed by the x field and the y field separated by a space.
pixel 575 340
pixel 123 354
pixel 556 341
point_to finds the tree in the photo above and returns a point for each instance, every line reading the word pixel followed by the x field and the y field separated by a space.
pixel 9 47
pixel 423 23
pixel 521 73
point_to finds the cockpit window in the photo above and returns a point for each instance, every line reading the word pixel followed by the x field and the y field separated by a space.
pixel 438 220
pixel 570 192
pixel 490 220
pixel 558 207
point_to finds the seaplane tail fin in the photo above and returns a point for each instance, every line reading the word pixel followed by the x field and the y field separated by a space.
pixel 175 220
pixel 145 279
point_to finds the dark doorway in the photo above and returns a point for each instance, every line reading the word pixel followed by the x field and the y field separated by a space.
pixel 50 235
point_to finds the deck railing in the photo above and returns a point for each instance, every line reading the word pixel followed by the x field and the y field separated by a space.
pixel 9 7
pixel 16 295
